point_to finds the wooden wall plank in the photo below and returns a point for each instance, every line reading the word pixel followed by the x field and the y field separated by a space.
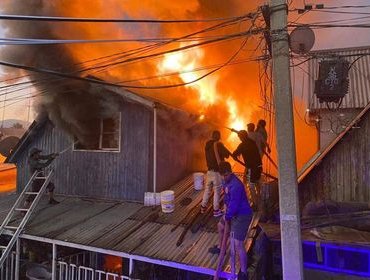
pixel 344 174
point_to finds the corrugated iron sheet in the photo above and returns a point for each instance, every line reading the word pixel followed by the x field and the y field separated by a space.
pixel 359 76
pixel 124 227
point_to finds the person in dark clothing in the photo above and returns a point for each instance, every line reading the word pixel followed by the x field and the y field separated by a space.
pixel 252 160
pixel 215 152
pixel 261 129
pixel 238 214
pixel 256 137
pixel 37 162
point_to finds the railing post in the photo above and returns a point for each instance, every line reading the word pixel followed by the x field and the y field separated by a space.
pixel 130 268
pixel 54 263
pixel 17 258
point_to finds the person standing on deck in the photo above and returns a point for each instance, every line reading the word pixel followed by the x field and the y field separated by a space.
pixel 215 152
pixel 261 129
pixel 238 215
pixel 253 163
pixel 256 137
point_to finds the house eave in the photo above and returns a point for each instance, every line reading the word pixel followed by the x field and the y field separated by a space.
pixel 203 270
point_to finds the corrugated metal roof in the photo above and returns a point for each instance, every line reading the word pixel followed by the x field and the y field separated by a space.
pixel 318 157
pixel 124 227
pixel 359 76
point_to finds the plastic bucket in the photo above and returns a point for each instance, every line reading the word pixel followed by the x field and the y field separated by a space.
pixel 168 201
pixel 151 199
pixel 198 180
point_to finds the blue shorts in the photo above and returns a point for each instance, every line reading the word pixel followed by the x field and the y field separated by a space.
pixel 239 226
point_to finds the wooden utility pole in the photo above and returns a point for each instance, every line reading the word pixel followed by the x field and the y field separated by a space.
pixel 291 246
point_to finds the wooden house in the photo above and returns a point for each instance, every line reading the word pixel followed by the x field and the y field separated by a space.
pixel 100 229
pixel 145 146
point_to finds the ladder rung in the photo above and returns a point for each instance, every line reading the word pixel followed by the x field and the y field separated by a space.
pixel 21 209
pixel 11 227
pixel 31 192
pixel 40 178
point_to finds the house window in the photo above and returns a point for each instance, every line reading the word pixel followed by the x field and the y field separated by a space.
pixel 107 137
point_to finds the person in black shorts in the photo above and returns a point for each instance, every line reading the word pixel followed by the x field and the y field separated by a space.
pixel 252 160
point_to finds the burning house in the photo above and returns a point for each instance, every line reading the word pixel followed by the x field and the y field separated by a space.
pixel 140 146
pixel 143 147
pixel 114 145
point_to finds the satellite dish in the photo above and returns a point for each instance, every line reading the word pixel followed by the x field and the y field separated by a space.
pixel 302 40
pixel 7 144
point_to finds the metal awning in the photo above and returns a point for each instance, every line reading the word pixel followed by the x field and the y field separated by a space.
pixel 106 227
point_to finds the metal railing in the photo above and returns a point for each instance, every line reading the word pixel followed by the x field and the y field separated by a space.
pixel 73 272
pixel 8 269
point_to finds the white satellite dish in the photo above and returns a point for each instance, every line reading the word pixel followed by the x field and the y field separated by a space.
pixel 302 40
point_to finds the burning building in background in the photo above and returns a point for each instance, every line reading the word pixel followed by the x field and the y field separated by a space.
pixel 210 68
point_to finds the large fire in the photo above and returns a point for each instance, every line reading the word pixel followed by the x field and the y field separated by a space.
pixel 183 63
pixel 228 98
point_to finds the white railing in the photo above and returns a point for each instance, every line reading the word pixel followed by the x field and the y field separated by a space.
pixel 73 272
pixel 82 259
pixel 7 270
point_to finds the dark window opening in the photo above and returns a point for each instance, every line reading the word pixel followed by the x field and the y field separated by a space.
pixel 107 136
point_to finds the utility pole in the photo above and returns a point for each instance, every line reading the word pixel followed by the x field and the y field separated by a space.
pixel 291 245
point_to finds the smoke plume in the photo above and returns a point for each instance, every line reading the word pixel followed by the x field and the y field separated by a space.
pixel 76 106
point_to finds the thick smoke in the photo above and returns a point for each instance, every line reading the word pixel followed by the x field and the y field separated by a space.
pixel 74 106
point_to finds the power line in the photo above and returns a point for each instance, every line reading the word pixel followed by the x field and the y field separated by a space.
pixel 113 20
pixel 227 37
pixel 34 41
pixel 339 20
pixel 347 7
pixel 340 12
pixel 59 74
pixel 176 39
pixel 157 45
pixel 318 26
pixel 137 58
pixel 235 62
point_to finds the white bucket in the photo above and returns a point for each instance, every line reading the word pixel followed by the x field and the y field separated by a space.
pixel 152 199
pixel 198 180
pixel 168 201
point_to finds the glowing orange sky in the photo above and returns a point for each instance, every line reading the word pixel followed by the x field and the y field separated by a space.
pixel 228 97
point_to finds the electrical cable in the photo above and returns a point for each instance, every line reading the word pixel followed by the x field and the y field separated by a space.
pixel 207 29
pixel 322 26
pixel 59 74
pixel 22 41
pixel 226 37
pixel 111 20
pixel 146 48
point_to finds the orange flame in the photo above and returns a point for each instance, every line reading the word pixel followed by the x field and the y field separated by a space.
pixel 184 63
pixel 229 97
